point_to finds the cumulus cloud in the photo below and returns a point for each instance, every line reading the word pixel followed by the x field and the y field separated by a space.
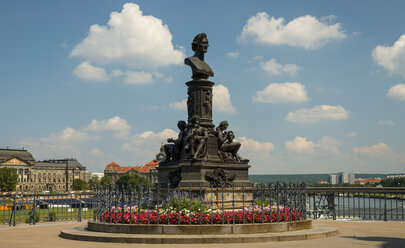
pixel 146 144
pixel 272 67
pixel 397 92
pixel 318 113
pixel 385 123
pixel 254 145
pixel 119 126
pixel 301 145
pixel 132 39
pixel 379 150
pixel 221 101
pixel 182 105
pixel 391 58
pixel 282 93
pixel 89 72
pixel 62 144
pixel 233 55
pixel 305 31
pixel 138 77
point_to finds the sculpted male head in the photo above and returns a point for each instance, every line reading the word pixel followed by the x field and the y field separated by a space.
pixel 195 120
pixel 223 125
pixel 200 43
pixel 181 125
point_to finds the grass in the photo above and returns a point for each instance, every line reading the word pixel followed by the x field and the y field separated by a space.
pixel 46 215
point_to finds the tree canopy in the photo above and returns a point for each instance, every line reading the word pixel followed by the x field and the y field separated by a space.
pixel 133 179
pixel 8 179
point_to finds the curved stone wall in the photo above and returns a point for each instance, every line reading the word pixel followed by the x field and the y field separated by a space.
pixel 199 229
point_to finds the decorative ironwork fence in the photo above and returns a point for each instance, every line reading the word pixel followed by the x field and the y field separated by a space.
pixel 356 203
pixel 34 208
pixel 199 205
pixel 239 205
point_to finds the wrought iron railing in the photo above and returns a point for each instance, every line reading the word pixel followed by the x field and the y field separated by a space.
pixel 33 208
pixel 350 203
pixel 356 203
pixel 199 205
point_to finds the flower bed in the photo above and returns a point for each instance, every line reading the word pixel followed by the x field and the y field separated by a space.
pixel 246 216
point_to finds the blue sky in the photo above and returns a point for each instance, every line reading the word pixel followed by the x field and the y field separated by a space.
pixel 307 86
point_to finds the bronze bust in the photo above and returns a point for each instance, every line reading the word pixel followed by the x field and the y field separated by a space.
pixel 200 69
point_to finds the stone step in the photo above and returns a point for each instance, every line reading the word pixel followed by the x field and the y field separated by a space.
pixel 81 233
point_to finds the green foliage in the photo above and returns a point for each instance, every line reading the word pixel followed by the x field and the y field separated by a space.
pixel 133 179
pixel 79 184
pixel 52 216
pixel 181 202
pixel 30 218
pixel 105 180
pixel 8 179
pixel 93 182
pixel 395 182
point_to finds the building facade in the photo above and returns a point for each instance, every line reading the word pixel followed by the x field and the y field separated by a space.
pixel 114 171
pixel 48 175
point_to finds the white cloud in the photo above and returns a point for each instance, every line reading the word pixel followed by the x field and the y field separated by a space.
pixel 145 145
pixel 116 73
pixel 271 67
pixel 305 31
pixel 89 72
pixel 67 135
pixel 318 113
pixel 391 58
pixel 385 123
pixel 64 144
pixel 379 150
pixel 397 92
pixel 222 99
pixel 182 105
pixel 301 145
pixel 254 145
pixel 119 126
pixel 282 93
pixel 138 77
pixel 233 55
pixel 132 39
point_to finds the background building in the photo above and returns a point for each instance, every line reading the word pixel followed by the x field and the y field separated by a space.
pixel 149 170
pixel 48 175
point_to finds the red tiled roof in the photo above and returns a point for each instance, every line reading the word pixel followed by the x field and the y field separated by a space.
pixel 367 180
pixel 113 166
pixel 125 169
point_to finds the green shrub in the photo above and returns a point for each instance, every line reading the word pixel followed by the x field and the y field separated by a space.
pixel 52 216
pixel 30 217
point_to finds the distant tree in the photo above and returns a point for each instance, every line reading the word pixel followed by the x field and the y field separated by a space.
pixel 79 184
pixel 133 179
pixel 93 182
pixel 105 180
pixel 394 182
pixel 8 179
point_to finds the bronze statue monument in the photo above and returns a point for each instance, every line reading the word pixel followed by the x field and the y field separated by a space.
pixel 202 155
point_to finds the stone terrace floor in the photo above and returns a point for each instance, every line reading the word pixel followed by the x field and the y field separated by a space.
pixel 351 234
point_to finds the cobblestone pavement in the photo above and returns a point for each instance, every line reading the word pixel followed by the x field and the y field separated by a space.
pixel 351 234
